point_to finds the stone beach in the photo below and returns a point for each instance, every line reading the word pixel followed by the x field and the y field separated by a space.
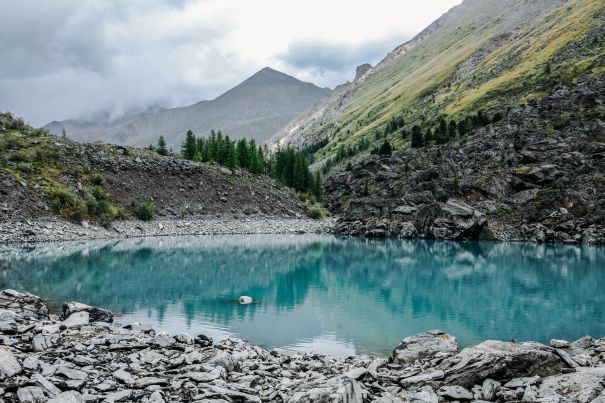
pixel 84 356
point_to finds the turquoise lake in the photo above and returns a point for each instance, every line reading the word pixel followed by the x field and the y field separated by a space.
pixel 334 295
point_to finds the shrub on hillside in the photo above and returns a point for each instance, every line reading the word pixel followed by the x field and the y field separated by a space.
pixel 146 210
pixel 315 209
pixel 98 180
pixel 67 204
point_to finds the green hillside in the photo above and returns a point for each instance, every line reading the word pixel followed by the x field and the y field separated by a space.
pixel 483 54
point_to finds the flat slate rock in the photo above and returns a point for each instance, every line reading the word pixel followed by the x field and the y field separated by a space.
pixel 424 346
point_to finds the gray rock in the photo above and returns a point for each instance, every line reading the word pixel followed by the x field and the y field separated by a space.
pixel 426 394
pixel 95 314
pixel 163 339
pixel 156 397
pixel 124 377
pixel 488 389
pixel 356 373
pixel 23 304
pixel 9 366
pixel 455 393
pixel 352 392
pixel 404 210
pixel 424 346
pixel 71 373
pixel 233 394
pixel 521 382
pixel 559 343
pixel 500 361
pixel 71 396
pixel 149 380
pixel 458 208
pixel 203 340
pixel 424 377
pixel 529 395
pixel 567 358
pixel 41 343
pixel 584 385
pixel 31 394
pixel 204 376
pixel 121 396
pixel 77 319
pixel 44 383
pixel 184 338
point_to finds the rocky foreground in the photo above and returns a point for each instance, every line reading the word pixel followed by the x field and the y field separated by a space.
pixel 84 357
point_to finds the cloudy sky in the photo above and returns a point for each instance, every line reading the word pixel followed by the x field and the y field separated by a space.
pixel 81 58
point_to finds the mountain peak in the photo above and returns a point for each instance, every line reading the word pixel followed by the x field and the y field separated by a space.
pixel 267 75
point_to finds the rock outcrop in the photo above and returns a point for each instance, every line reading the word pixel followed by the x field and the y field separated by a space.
pixel 43 359
pixel 538 175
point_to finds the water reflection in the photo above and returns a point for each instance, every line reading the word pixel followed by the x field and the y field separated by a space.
pixel 323 293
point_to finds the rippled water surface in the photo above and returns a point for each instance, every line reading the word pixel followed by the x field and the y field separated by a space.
pixel 322 293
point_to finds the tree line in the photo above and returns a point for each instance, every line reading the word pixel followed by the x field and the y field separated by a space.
pixel 439 132
pixel 444 131
pixel 287 166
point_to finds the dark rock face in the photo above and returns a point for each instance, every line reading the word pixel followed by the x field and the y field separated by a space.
pixel 538 175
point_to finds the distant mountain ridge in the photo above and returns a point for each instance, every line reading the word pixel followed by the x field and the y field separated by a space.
pixel 257 108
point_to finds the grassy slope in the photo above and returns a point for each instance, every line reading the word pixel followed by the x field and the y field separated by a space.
pixel 556 48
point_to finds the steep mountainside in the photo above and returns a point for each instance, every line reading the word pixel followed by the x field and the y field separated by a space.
pixel 537 175
pixel 256 108
pixel 42 175
pixel 503 100
pixel 482 54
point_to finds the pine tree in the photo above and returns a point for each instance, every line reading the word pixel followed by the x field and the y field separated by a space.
pixel 317 189
pixel 230 153
pixel 212 146
pixel 417 137
pixel 465 126
pixel 220 148
pixel 255 162
pixel 452 129
pixel 243 156
pixel 399 122
pixel 189 147
pixel 429 136
pixel 162 150
pixel 385 149
pixel 64 133
pixel 441 135
pixel 261 157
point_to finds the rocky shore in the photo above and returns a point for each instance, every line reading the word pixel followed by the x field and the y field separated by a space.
pixel 83 356
pixel 51 230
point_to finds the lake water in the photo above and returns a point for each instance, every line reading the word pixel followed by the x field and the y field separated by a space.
pixel 322 293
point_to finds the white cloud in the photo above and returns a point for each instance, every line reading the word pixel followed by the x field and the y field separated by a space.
pixel 71 58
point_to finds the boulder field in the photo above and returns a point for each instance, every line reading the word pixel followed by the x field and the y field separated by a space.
pixel 537 175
